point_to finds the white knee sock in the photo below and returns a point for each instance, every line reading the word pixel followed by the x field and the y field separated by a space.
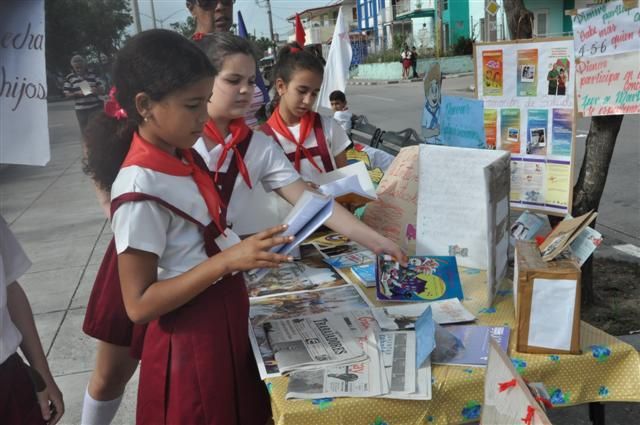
pixel 96 412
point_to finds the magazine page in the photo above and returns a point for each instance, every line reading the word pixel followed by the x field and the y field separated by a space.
pixel 352 181
pixel 399 359
pixel 309 213
pixel 401 317
pixel 311 342
pixel 261 310
pixel 361 379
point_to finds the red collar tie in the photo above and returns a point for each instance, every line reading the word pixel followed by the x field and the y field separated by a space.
pixel 239 132
pixel 306 124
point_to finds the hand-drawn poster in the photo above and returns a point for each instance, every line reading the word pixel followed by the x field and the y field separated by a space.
pixel 462 122
pixel 537 123
pixel 534 117
pixel 491 127
pixel 492 72
pixel 510 130
pixel 527 72
pixel 607 48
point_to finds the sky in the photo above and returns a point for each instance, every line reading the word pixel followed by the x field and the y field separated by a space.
pixel 254 13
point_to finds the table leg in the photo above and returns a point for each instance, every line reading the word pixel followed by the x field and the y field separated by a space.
pixel 596 413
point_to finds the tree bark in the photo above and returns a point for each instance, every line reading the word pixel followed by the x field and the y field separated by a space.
pixel 588 190
pixel 519 19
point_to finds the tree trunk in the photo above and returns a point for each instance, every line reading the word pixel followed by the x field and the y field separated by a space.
pixel 519 19
pixel 587 192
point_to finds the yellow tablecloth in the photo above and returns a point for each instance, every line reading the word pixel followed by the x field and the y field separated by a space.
pixel 607 370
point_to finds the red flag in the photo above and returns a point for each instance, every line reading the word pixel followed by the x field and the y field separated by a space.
pixel 300 36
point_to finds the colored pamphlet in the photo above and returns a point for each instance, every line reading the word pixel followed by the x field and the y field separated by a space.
pixel 366 274
pixel 472 347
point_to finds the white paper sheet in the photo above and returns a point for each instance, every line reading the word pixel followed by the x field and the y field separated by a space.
pixel 552 309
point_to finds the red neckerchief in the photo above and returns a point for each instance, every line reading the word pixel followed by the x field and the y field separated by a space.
pixel 306 125
pixel 144 154
pixel 239 131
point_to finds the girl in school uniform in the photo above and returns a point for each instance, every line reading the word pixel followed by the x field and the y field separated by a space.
pixel 28 394
pixel 178 261
pixel 313 143
pixel 241 159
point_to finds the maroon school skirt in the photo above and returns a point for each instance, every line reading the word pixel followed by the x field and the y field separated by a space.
pixel 197 365
pixel 106 318
pixel 18 402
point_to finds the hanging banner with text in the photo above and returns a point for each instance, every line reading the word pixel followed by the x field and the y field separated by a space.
pixel 527 89
pixel 24 128
pixel 607 48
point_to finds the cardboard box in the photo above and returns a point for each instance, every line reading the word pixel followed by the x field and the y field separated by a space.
pixel 547 302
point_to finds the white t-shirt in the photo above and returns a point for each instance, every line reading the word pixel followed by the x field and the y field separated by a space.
pixel 13 264
pixel 150 227
pixel 344 119
pixel 268 168
pixel 337 142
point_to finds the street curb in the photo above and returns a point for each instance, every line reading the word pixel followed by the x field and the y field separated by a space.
pixel 364 82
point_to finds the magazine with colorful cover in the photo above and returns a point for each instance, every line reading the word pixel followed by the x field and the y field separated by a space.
pixel 366 274
pixel 472 348
pixel 426 278
pixel 351 259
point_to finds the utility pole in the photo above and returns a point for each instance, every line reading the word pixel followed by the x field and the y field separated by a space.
pixel 136 16
pixel 270 20
pixel 153 14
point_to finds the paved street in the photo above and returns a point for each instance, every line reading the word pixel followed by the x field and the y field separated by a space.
pixel 54 213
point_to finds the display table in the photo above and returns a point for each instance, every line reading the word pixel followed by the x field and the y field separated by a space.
pixel 607 370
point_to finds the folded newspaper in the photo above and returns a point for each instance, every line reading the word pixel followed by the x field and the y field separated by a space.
pixel 360 379
pixel 312 342
pixel 399 359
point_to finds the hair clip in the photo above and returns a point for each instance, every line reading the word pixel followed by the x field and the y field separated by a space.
pixel 112 108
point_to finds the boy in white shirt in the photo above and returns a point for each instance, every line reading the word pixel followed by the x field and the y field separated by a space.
pixel 341 112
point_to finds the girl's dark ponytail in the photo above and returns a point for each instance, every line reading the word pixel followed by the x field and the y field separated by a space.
pixel 154 62
pixel 107 142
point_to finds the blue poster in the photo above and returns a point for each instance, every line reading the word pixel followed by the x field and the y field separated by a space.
pixel 462 122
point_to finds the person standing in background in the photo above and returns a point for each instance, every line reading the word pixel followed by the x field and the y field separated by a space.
pixel 414 61
pixel 85 88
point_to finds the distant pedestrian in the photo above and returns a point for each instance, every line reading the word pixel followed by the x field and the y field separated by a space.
pixel 405 59
pixel 414 61
pixel 85 88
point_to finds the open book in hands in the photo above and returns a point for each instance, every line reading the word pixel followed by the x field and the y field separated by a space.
pixel 349 185
pixel 309 213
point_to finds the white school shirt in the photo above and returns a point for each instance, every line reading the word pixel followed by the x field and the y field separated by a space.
pixel 269 169
pixel 337 141
pixel 13 264
pixel 150 227
pixel 344 119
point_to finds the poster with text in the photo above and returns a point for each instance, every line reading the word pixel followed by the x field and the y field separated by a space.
pixel 533 115
pixel 24 124
pixel 491 127
pixel 510 130
pixel 537 137
pixel 492 72
pixel 607 48
pixel 527 72
pixel 462 122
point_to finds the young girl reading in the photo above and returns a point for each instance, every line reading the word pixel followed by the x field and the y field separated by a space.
pixel 242 159
pixel 313 143
pixel 178 261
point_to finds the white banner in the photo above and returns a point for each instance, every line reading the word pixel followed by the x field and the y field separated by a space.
pixel 24 128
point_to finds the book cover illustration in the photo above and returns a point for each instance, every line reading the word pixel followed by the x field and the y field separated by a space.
pixel 351 259
pixel 426 278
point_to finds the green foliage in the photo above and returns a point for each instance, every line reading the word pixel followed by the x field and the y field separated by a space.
pixel 399 40
pixel 462 46
pixel 263 44
pixel 186 28
pixel 87 27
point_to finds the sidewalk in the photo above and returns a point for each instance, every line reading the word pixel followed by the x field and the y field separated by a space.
pixel 54 214
pixel 366 82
